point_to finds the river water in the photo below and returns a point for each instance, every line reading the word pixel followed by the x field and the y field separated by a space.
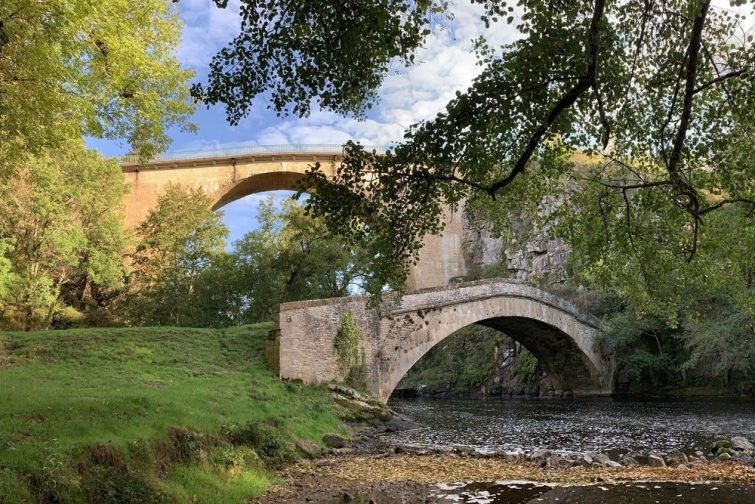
pixel 576 425
pixel 634 493
pixel 570 425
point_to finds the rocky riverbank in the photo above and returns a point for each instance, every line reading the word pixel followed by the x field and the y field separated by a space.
pixel 367 469
pixel 408 478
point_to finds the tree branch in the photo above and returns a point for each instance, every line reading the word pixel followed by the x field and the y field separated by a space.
pixel 724 203
pixel 681 133
pixel 567 100
pixel 720 78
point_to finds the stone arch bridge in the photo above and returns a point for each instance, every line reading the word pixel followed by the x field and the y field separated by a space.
pixel 396 336
pixel 228 175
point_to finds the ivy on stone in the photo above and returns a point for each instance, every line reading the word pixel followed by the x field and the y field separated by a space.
pixel 348 342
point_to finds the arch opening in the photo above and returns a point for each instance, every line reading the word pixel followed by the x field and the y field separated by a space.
pixel 553 331
pixel 566 365
pixel 254 184
pixel 486 358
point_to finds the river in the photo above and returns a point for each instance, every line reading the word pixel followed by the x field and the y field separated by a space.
pixel 578 425
pixel 602 425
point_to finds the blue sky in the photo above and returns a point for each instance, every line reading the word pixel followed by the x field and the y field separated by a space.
pixel 408 95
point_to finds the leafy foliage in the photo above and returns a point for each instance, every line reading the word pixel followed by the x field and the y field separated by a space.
pixel 61 234
pixel 724 339
pixel 657 95
pixel 179 239
pixel 334 52
pixel 70 68
pixel 291 257
pixel 348 342
pixel 184 276
pixel 527 368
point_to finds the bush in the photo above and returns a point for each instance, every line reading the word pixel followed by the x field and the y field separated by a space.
pixel 107 485
pixel 264 439
pixel 527 368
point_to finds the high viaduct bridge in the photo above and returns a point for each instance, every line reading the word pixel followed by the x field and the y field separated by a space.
pixel 394 336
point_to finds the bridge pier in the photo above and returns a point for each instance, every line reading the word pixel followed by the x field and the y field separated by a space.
pixel 395 337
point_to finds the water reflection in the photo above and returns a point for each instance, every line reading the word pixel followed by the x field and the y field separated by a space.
pixel 584 424
pixel 520 493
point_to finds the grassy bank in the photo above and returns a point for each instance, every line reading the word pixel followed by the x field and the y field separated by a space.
pixel 147 415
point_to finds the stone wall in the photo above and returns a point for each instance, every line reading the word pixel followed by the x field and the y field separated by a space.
pixel 395 336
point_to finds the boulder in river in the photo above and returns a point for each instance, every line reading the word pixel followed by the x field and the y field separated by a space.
pixel 558 461
pixel 583 459
pixel 600 458
pixel 655 460
pixel 740 443
pixel 676 459
pixel 629 461
pixel 717 445
pixel 540 455
pixel 725 451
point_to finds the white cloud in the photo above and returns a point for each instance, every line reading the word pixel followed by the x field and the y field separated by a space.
pixel 408 95
pixel 207 29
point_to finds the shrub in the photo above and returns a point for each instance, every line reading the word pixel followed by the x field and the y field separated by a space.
pixel 264 439
pixel 107 485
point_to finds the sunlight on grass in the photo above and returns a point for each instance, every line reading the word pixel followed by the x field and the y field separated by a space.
pixel 64 392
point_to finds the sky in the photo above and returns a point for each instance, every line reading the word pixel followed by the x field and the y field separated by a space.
pixel 446 64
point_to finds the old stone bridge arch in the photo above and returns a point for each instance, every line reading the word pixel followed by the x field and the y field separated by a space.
pixel 226 176
pixel 394 337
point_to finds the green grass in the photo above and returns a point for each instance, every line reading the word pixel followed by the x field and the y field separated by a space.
pixel 91 415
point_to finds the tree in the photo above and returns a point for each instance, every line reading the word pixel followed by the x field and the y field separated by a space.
pixel 178 239
pixel 658 95
pixel 70 68
pixel 291 257
pixel 61 232
pixel 724 339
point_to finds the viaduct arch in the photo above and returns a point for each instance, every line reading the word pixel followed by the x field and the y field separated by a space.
pixel 395 337
pixel 226 176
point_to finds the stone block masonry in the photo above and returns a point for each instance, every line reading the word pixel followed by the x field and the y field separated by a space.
pixel 397 335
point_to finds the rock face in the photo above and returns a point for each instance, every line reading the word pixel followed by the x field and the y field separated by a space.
pixel 740 443
pixel 530 255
